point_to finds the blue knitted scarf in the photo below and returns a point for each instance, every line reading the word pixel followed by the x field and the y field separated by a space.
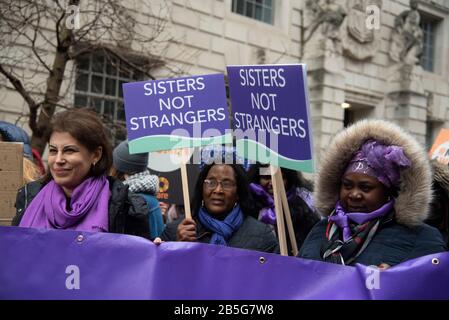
pixel 222 230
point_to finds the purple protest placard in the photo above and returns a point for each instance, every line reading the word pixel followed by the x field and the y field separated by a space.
pixel 271 114
pixel 63 264
pixel 176 113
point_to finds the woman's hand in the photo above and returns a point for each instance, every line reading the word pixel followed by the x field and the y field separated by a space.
pixel 157 241
pixel 383 266
pixel 186 231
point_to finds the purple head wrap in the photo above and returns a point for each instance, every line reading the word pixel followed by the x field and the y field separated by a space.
pixel 379 161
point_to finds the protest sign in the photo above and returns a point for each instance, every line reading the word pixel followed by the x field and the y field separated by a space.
pixel 82 265
pixel 11 176
pixel 176 113
pixel 271 114
pixel 168 170
pixel 271 118
pixel 440 148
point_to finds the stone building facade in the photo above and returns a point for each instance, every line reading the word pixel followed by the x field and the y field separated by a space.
pixel 384 59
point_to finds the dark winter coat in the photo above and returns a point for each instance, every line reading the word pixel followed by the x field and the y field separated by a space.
pixel 253 235
pixel 127 211
pixel 403 237
pixel 392 244
pixel 303 218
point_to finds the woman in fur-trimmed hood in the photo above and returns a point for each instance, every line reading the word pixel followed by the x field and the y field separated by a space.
pixel 374 187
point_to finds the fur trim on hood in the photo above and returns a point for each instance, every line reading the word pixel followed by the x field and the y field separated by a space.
pixel 412 203
pixel 441 175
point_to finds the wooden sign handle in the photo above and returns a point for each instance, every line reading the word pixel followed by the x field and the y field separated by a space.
pixel 286 209
pixel 279 213
pixel 185 190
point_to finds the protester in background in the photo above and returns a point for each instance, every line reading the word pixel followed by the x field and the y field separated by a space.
pixel 76 194
pixel 132 170
pixel 164 206
pixel 439 214
pixel 299 199
pixel 173 212
pixel 222 212
pixel 374 185
pixel 12 133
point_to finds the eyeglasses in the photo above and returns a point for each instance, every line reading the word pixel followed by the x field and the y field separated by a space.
pixel 213 183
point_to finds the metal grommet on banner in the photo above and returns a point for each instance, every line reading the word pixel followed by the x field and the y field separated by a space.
pixel 262 260
pixel 80 238
pixel 435 261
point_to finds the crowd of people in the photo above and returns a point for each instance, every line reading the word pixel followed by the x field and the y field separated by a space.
pixel 376 200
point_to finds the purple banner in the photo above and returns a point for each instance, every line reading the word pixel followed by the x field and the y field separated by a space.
pixel 53 264
pixel 176 113
pixel 272 100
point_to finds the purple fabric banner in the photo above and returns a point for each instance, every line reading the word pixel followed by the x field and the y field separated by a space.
pixel 54 264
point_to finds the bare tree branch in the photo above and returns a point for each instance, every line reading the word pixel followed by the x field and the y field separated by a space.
pixel 17 84
pixel 36 46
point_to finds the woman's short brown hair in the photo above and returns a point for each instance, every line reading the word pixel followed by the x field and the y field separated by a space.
pixel 86 127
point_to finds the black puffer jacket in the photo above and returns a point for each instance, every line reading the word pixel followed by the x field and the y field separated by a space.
pixel 252 235
pixel 127 211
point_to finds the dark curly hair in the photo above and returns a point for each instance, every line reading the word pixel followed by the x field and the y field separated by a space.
pixel 245 198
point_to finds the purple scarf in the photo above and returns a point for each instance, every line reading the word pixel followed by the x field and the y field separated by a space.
pixel 341 218
pixel 267 214
pixel 89 205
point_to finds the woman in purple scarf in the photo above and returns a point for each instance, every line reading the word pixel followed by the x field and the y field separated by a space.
pixel 76 194
pixel 374 186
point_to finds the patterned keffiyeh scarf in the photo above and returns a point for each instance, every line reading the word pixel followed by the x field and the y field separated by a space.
pixel 143 182
pixel 348 236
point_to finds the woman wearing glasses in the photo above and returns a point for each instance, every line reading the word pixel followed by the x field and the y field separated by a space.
pixel 221 208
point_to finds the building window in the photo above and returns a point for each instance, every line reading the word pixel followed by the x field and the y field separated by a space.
pixel 261 10
pixel 98 86
pixel 357 112
pixel 429 27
